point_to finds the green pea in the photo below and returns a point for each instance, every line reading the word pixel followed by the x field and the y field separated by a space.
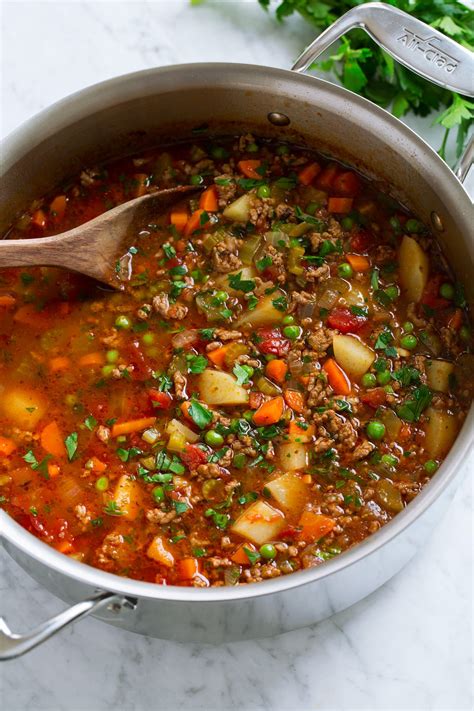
pixel 107 370
pixel 197 274
pixel 123 321
pixel 431 466
pixel 392 292
pixel 384 377
pixel 239 461
pixel 395 223
pixel 408 327
pixel 221 295
pixel 413 225
pixel 465 333
pixel 102 483
pixel 218 152
pixel 213 438
pixel 446 291
pixel 375 429
pixel 264 191
pixel 268 551
pixel 196 180
pixel 148 339
pixel 288 320
pixel 252 148
pixel 112 356
pixel 369 380
pixel 389 460
pixel 282 150
pixel 292 332
pixel 345 270
pixel 409 342
pixel 311 207
pixel 158 494
pixel 347 223
pixel 70 399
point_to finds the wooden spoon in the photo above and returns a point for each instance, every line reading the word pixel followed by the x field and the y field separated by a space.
pixel 97 247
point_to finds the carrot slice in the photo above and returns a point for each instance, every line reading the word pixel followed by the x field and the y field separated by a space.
pixel 308 174
pixel 218 355
pixel 340 204
pixel 295 400
pixel 240 556
pixel 455 321
pixel 38 219
pixel 53 470
pixel 249 168
pixel 338 380
pixel 270 412
pixel 327 176
pixel 197 221
pixel 314 526
pixel 187 568
pixel 65 547
pixel 7 301
pixel 358 262
pixel 179 219
pixel 28 315
pixel 59 363
pixel 299 433
pixel 208 200
pixel 97 465
pixel 124 428
pixel 276 370
pixel 91 360
pixel 7 446
pixel 57 207
pixel 52 440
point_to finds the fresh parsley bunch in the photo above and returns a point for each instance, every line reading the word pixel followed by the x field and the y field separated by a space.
pixel 363 67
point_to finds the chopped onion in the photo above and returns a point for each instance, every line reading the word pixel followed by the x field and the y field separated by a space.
pixel 185 339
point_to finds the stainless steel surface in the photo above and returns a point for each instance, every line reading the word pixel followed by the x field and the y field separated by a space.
pixel 138 110
pixel 465 163
pixel 13 645
pixel 411 42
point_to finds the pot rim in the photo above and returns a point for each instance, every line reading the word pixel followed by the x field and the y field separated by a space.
pixel 43 123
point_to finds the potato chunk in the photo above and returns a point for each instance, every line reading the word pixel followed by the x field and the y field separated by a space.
pixel 352 355
pixel 127 496
pixel 219 388
pixel 414 269
pixel 264 314
pixel 176 427
pixel 293 456
pixel 23 406
pixel 441 431
pixel 290 492
pixel 438 373
pixel 239 210
pixel 259 523
pixel 159 553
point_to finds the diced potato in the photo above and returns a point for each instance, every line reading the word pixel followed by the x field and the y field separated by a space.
pixel 259 523
pixel 414 269
pixel 158 552
pixel 127 496
pixel 264 314
pixel 438 373
pixel 352 355
pixel 219 388
pixel 23 406
pixel 290 492
pixel 440 432
pixel 174 426
pixel 355 297
pixel 293 456
pixel 239 210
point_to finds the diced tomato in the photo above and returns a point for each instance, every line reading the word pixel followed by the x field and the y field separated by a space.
pixel 272 341
pixel 160 400
pixel 193 456
pixel 362 240
pixel 345 321
pixel 374 398
pixel 431 297
pixel 346 183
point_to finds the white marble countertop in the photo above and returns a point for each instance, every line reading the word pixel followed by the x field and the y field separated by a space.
pixel 408 646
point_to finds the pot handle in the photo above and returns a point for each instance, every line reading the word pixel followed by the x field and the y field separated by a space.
pixel 411 42
pixel 14 645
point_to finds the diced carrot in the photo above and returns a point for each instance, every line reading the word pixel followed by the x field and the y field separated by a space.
pixel 91 360
pixel 455 321
pixel 185 410
pixel 28 315
pixel 98 465
pixel 187 568
pixel 314 526
pixel 405 433
pixel 307 479
pixel 338 380
pixel 340 204
pixel 308 173
pixel 195 223
pixel 53 470
pixel 7 446
pixel 304 379
pixel 358 262
pixel 276 370
pixel 7 301
pixel 297 432
pixel 327 176
pixel 269 412
pixel 240 556
pixel 208 199
pixel 52 440
pixel 38 219
pixel 59 363
pixel 65 547
pixel 140 183
pixel 57 207
pixel 249 168
pixel 179 218
pixel 295 400
pixel 347 184
pixel 218 355
pixel 124 428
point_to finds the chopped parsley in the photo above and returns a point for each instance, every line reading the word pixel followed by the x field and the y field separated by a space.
pixel 241 374
pixel 196 363
pixel 71 445
pixel 112 509
pixel 200 415
pixel 415 404
pixel 239 284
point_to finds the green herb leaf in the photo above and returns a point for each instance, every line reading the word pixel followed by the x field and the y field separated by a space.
pixel 71 445
pixel 200 415
pixel 239 284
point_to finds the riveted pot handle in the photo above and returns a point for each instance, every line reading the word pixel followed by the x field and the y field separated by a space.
pixel 14 645
pixel 411 42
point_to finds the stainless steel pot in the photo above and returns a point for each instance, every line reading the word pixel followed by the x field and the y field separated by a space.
pixel 135 111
